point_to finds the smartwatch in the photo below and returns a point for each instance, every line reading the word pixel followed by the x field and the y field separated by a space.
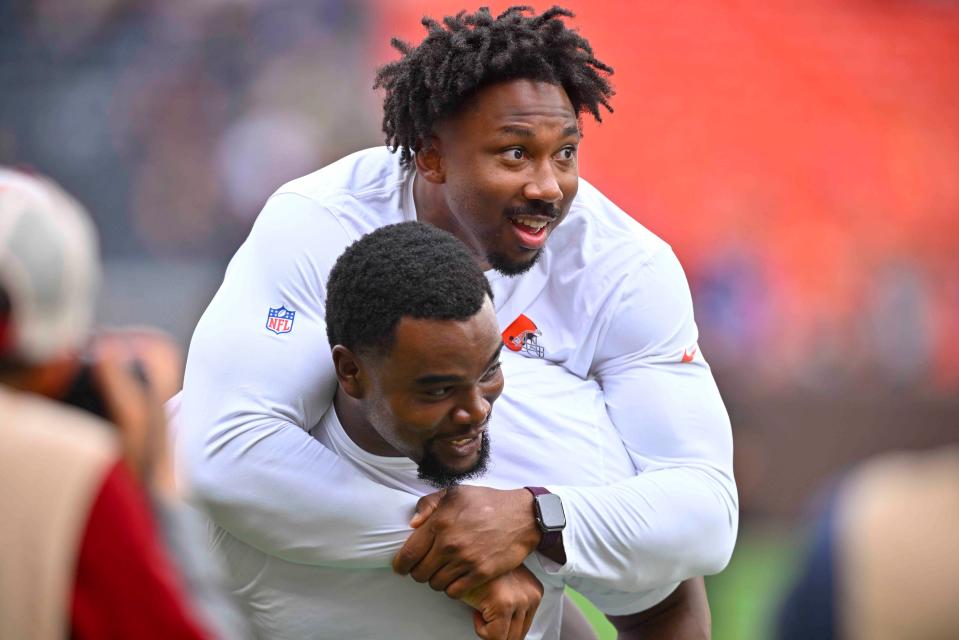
pixel 550 517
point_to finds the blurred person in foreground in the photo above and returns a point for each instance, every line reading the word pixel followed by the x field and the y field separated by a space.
pixel 884 559
pixel 610 412
pixel 80 551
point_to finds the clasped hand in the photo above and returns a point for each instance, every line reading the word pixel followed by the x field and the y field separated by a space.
pixel 471 542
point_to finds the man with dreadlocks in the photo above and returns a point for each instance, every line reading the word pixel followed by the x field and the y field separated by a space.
pixel 611 447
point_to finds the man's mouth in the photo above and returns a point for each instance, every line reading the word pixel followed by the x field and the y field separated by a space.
pixel 531 229
pixel 532 224
pixel 469 436
pixel 464 443
pixel 462 447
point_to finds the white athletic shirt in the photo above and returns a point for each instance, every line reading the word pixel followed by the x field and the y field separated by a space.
pixel 613 313
pixel 293 601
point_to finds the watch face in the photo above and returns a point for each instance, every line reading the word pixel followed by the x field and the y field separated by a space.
pixel 552 516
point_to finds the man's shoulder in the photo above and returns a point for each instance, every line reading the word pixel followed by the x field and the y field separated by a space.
pixel 602 239
pixel 361 191
pixel 358 175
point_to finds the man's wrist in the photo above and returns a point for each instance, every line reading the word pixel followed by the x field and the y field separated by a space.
pixel 550 517
pixel 531 535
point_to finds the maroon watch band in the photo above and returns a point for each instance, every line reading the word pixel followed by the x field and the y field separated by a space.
pixel 550 538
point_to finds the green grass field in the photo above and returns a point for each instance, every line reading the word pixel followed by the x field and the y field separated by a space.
pixel 743 598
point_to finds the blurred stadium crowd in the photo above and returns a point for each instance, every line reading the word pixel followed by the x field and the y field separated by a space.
pixel 808 182
pixel 173 121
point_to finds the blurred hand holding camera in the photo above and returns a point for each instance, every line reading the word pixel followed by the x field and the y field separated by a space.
pixel 134 371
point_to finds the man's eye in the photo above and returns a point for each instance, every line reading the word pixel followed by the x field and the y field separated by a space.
pixel 491 372
pixel 566 153
pixel 514 154
pixel 437 393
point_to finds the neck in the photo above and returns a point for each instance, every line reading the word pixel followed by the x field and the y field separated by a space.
pixel 431 208
pixel 350 412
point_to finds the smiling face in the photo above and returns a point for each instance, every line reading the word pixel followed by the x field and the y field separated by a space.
pixel 504 171
pixel 430 396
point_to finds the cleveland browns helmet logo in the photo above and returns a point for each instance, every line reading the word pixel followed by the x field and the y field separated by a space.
pixel 522 335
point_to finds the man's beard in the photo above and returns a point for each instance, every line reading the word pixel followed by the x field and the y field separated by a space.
pixel 507 267
pixel 440 476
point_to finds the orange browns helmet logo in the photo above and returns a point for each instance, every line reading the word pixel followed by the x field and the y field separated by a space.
pixel 522 336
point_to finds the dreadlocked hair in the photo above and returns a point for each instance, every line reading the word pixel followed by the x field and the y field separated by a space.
pixel 470 51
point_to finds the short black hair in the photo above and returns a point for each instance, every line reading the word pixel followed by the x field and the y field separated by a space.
pixel 408 269
pixel 469 51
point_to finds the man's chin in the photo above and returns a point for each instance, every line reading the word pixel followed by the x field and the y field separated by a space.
pixel 442 476
pixel 510 267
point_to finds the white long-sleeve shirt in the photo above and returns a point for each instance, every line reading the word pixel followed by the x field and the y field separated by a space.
pixel 612 308
pixel 293 601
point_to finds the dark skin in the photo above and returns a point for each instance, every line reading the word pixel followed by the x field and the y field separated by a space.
pixel 513 146
pixel 437 383
pixel 683 614
pixel 501 175
pixel 433 390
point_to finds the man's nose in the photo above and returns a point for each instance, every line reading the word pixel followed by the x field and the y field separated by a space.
pixel 543 184
pixel 473 410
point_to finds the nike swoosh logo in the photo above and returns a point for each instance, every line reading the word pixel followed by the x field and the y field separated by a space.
pixel 689 355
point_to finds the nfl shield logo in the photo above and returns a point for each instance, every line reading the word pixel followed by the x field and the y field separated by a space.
pixel 280 320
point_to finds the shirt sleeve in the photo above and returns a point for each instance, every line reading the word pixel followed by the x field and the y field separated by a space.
pixel 122 561
pixel 251 394
pixel 678 517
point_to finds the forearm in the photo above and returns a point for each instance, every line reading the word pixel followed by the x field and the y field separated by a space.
pixel 678 517
pixel 277 489
pixel 342 519
pixel 654 529
pixel 265 480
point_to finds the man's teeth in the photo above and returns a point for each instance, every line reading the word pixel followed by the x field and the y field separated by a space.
pixel 533 223
pixel 460 442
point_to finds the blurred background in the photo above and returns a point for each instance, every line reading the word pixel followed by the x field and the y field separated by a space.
pixel 802 158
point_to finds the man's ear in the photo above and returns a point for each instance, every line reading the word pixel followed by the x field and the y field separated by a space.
pixel 349 372
pixel 429 161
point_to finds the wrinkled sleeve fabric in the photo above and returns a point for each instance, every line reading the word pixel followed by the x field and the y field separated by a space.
pixel 678 517
pixel 251 395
